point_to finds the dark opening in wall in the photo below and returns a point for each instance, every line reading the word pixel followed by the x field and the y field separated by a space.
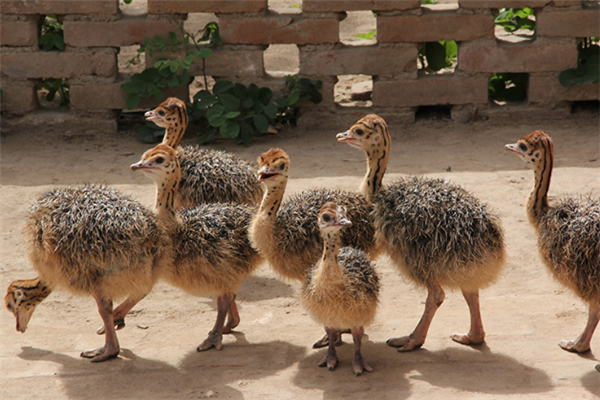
pixel 439 112
pixel 438 57
pixel 353 90
pixel 198 84
pixel 508 87
pixel 515 25
pixel 196 22
pixel 53 93
pixel 131 59
pixel 285 6
pixel 359 28
pixel 281 59
pixel 133 7
pixel 587 107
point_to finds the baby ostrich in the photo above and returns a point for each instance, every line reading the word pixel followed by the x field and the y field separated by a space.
pixel 569 233
pixel 90 240
pixel 211 250
pixel 341 290
pixel 207 176
pixel 435 232
pixel 288 234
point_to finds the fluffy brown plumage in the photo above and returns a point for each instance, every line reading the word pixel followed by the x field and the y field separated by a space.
pixel 211 250
pixel 569 233
pixel 207 176
pixel 91 240
pixel 341 289
pixel 437 233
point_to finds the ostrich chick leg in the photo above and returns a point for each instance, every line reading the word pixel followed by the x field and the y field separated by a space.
pixel 582 343
pixel 435 298
pixel 324 341
pixel 111 344
pixel 233 317
pixel 330 361
pixel 121 312
pixel 476 334
pixel 359 365
pixel 216 334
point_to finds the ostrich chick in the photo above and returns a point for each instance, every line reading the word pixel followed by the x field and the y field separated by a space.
pixel 90 240
pixel 341 289
pixel 207 176
pixel 436 233
pixel 211 251
pixel 569 233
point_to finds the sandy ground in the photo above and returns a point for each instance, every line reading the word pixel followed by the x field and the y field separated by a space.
pixel 269 356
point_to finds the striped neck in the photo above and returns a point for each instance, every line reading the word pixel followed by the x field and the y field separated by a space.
pixel 377 159
pixel 329 270
pixel 165 195
pixel 175 132
pixel 537 203
pixel 272 199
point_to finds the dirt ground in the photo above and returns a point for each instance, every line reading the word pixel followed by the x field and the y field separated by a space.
pixel 270 356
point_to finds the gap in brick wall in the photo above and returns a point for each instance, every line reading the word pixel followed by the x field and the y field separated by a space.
pixel 438 112
pixel 285 6
pixel 359 28
pixel 440 5
pixel 281 60
pixel 515 25
pixel 508 87
pixel 354 91
pixel 50 93
pixel 587 107
pixel 197 21
pixel 128 62
pixel 198 84
pixel 135 7
pixel 436 58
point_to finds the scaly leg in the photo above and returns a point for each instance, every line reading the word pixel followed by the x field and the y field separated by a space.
pixel 233 317
pixel 582 343
pixel 330 361
pixel 111 343
pixel 216 334
pixel 324 340
pixel 121 312
pixel 435 298
pixel 476 334
pixel 359 365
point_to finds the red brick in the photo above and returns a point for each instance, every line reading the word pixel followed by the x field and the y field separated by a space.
pixel 367 60
pixel 59 7
pixel 430 90
pixel 124 32
pixel 18 97
pixel 103 96
pixel 53 64
pixel 205 6
pixel 549 89
pixel 232 61
pixel 569 23
pixel 18 33
pixel 357 5
pixel 475 4
pixel 278 29
pixel 549 55
pixel 434 26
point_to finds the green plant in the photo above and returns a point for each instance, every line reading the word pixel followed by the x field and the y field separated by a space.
pixel 52 34
pixel 54 86
pixel 588 64
pixel 296 90
pixel 368 35
pixel 508 87
pixel 512 19
pixel 424 2
pixel 438 54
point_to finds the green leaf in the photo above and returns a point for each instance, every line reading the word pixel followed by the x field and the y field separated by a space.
pixel 151 74
pixel 253 91
pixel 435 53
pixel 271 111
pixel 59 42
pixel 584 74
pixel 368 35
pixel 132 101
pixel 159 41
pixel 204 53
pixel 216 110
pixel 155 92
pixel 132 87
pixel 205 95
pixel 240 91
pixel 149 135
pixel 265 95
pixel 451 51
pixel 246 133
pixel 174 66
pixel 247 102
pixel 230 129
pixel 173 81
pixel 217 120
pixel 232 114
pixel 184 78
pixel 292 99
pixel 261 123
pixel 222 86
pixel 229 101
pixel 173 37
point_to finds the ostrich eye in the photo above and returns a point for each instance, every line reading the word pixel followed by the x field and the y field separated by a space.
pixel 160 160
pixel 359 132
pixel 326 217
pixel 281 166
pixel 161 113
pixel 522 147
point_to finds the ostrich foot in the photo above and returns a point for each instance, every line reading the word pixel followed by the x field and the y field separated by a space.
pixel 598 367
pixel 119 324
pixel 574 346
pixel 213 340
pixel 101 353
pixel 359 366
pixel 231 324
pixel 330 361
pixel 406 343
pixel 324 340
pixel 467 338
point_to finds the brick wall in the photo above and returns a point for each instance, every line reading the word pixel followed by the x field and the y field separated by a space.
pixel 95 30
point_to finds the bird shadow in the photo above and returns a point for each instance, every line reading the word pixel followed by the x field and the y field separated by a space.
pixel 473 369
pixel 259 288
pixel 591 382
pixel 195 375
